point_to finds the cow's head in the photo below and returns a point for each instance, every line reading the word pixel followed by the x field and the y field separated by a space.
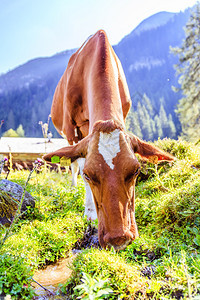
pixel 111 169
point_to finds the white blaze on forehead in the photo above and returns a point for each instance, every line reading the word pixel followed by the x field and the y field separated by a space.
pixel 109 146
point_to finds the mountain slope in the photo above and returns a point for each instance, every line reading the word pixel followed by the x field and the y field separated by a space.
pixel 148 63
pixel 33 71
pixel 153 22
pixel 26 92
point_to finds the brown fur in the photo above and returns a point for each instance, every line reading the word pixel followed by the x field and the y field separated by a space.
pixel 89 91
pixel 93 97
pixel 107 126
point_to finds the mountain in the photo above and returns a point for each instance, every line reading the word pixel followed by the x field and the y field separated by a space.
pixel 146 57
pixel 153 22
pixel 35 71
pixel 26 92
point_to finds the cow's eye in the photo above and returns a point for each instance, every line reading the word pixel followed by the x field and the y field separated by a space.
pixel 86 177
pixel 129 177
pixel 132 175
pixel 92 178
pixel 138 171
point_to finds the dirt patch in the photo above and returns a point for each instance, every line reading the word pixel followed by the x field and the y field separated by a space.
pixel 46 281
pixel 89 240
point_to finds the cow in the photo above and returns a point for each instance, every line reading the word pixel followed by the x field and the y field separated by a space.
pixel 90 106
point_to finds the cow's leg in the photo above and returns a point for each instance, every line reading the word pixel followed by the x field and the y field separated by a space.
pixel 74 165
pixel 74 169
pixel 90 209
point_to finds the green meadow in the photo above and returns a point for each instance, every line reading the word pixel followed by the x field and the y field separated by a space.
pixel 163 263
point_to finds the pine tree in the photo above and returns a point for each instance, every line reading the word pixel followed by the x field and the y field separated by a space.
pixel 147 125
pixel 158 127
pixel 20 131
pixel 11 120
pixel 10 133
pixel 148 105
pixel 163 120
pixel 189 68
pixel 133 124
pixel 153 126
pixel 172 128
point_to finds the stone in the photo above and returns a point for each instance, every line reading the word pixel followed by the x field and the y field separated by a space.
pixel 13 193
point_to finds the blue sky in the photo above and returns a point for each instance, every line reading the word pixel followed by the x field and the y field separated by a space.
pixel 35 28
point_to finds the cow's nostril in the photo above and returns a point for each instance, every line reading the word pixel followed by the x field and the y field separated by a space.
pixel 121 245
pixel 118 242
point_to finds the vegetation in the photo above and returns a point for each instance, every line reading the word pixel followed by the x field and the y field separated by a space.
pixel 164 263
pixel 149 123
pixel 19 132
pixel 15 277
pixel 42 235
pixel 189 71
pixel 92 288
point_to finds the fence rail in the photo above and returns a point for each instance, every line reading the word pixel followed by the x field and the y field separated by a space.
pixel 25 151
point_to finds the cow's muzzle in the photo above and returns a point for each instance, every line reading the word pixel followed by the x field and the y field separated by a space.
pixel 119 242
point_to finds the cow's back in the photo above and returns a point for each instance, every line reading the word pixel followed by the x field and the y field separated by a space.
pixel 92 86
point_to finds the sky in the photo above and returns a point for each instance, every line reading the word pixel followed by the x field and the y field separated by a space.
pixel 38 28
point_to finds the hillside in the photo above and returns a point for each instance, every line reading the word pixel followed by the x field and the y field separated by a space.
pixel 26 92
pixel 163 263
pixel 147 61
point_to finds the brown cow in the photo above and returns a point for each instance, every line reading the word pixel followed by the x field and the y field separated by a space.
pixel 92 99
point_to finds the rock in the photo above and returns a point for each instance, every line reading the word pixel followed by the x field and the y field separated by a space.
pixel 89 240
pixel 148 271
pixel 11 194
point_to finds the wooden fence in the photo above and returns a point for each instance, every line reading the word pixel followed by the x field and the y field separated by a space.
pixel 24 151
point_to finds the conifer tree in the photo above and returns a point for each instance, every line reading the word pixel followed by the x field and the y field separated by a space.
pixel 133 124
pixel 10 133
pixel 158 127
pixel 189 70
pixel 148 104
pixel 172 128
pixel 163 120
pixel 11 120
pixel 20 131
pixel 140 112
pixel 147 125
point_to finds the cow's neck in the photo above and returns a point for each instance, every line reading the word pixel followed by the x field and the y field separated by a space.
pixel 106 113
pixel 103 92
pixel 104 102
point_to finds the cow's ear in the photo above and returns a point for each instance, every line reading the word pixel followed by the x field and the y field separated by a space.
pixel 150 152
pixel 72 152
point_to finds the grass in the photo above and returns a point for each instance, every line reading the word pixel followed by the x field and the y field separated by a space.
pixel 46 233
pixel 164 263
pixel 50 230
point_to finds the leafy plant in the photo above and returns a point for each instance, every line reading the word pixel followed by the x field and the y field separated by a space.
pixel 197 236
pixel 92 289
pixel 9 230
pixel 15 277
pixel 124 279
